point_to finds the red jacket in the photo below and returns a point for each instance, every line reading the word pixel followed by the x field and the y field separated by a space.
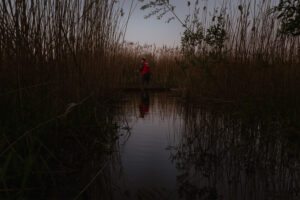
pixel 146 68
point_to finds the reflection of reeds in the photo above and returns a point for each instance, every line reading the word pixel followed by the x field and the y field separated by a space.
pixel 161 106
pixel 236 158
pixel 223 152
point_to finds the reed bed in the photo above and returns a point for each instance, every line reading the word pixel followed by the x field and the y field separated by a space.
pixel 164 70
pixel 57 60
pixel 62 64
pixel 235 51
pixel 77 46
pixel 255 61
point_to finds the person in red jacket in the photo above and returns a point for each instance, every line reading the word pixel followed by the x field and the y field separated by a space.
pixel 145 73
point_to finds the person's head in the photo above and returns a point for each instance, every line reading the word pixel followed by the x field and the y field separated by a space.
pixel 143 60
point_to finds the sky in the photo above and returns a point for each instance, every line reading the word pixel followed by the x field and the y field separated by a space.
pixel 154 31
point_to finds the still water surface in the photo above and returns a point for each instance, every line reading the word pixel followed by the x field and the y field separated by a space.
pixel 171 151
pixel 145 155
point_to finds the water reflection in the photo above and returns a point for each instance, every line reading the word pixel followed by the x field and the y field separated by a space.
pixel 184 151
pixel 147 170
pixel 144 106
pixel 221 156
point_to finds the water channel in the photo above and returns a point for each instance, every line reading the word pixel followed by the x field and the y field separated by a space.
pixel 168 150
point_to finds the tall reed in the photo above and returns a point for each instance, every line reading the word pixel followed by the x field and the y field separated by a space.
pixel 235 51
pixel 57 60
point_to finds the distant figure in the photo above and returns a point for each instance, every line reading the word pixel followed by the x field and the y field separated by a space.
pixel 144 106
pixel 145 73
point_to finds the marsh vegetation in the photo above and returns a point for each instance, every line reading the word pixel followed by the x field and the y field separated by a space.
pixel 64 65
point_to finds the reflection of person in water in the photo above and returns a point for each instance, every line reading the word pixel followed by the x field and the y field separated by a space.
pixel 144 106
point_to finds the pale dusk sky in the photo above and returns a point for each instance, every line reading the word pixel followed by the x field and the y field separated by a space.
pixel 154 31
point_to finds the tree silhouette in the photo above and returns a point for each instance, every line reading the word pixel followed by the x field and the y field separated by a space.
pixel 289 15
